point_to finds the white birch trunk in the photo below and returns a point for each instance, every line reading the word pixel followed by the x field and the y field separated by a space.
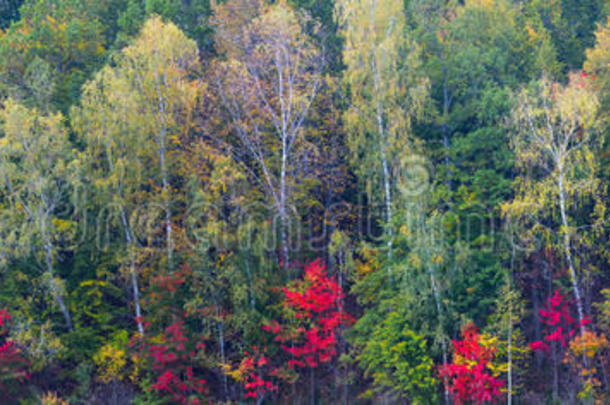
pixel 567 249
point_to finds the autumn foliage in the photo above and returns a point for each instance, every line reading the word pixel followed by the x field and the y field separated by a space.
pixel 308 332
pixel 469 376
pixel 13 366
pixel 590 347
pixel 560 325
pixel 170 171
pixel 257 375
pixel 172 360
pixel 173 355
pixel 314 304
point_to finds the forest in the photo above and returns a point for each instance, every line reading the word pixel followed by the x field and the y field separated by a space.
pixel 304 202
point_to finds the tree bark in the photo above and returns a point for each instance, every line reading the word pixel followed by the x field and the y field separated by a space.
pixel 510 353
pixel 312 386
pixel 568 252
pixel 283 216
pixel 445 128
pixel 439 310
pixel 164 173
pixel 384 163
pixel 53 287
pixel 437 299
pixel 221 339
pixel 132 268
pixel 555 372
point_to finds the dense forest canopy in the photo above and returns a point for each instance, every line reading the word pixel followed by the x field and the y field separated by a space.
pixel 300 201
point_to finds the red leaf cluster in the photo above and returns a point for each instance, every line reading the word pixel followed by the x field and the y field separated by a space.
pixel 316 303
pixel 560 326
pixel 13 366
pixel 468 377
pixel 172 363
pixel 254 367
pixel 4 317
pixel 171 282
pixel 582 79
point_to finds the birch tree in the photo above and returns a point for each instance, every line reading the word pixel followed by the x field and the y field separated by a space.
pixel 554 143
pixel 132 117
pixel 114 152
pixel 159 65
pixel 386 93
pixel 36 172
pixel 430 257
pixel 266 86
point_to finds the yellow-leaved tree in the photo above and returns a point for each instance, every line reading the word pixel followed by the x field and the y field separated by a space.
pixel 386 92
pixel 266 80
pixel 37 177
pixel 133 117
pixel 557 190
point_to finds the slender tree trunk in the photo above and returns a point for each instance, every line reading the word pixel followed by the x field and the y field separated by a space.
pixel 285 137
pixel 166 203
pixel 312 386
pixel 439 310
pixel 438 302
pixel 164 173
pixel 294 386
pixel 510 325
pixel 53 286
pixel 509 400
pixel 428 241
pixel 388 201
pixel 136 291
pixel 386 181
pixel 221 338
pixel 132 268
pixel 555 372
pixel 568 250
pixel 136 298
pixel 283 216
pixel 384 162
pixel 445 128
pixel 537 324
pixel 250 289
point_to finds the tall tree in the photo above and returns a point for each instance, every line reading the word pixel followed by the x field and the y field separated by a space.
pixel 267 82
pixel 554 141
pixel 36 162
pixel 385 89
pixel 132 116
pixel 474 52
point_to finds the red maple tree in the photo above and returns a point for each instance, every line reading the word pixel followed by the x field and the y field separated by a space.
pixel 172 355
pixel 308 332
pixel 468 376
pixel 316 305
pixel 559 325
